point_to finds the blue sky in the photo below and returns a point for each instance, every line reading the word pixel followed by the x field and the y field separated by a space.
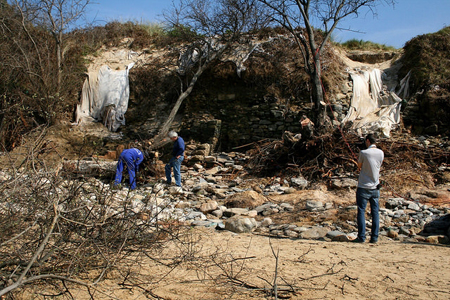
pixel 393 26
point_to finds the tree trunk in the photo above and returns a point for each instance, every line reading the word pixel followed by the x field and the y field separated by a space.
pixel 165 128
pixel 159 139
pixel 317 91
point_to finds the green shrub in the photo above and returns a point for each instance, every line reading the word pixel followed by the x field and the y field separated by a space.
pixel 355 44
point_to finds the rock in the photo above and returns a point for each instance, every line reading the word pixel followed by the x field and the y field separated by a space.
pixel 263 207
pixel 195 215
pixel 342 183
pixel 240 224
pixel 235 211
pixel 392 203
pixel 218 213
pixel 404 230
pixel 392 234
pixel 257 189
pixel 334 233
pixel 414 206
pixel 208 207
pixel 291 233
pixel 443 239
pixel 289 190
pixel 314 205
pixel 300 182
pixel 314 233
pixel 212 171
pixel 251 213
pixel 175 190
pixel 198 167
pixel 248 199
pixel 438 226
pixel 204 223
pixel 340 238
pixel 432 239
pixel 286 207
pixel 266 222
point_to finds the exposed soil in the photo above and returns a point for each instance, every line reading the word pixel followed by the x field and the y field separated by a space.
pixel 306 270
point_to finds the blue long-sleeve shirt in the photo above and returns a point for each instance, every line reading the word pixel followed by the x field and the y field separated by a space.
pixel 132 158
pixel 178 147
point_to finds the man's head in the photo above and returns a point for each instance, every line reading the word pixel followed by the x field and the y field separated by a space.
pixel 370 139
pixel 172 135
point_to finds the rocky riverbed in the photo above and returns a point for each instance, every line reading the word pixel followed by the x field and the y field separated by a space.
pixel 218 193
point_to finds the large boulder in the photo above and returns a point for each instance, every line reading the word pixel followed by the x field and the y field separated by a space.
pixel 247 199
pixel 240 224
pixel 438 226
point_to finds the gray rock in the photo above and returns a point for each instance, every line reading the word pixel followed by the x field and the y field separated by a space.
pixel 314 205
pixel 314 233
pixel 235 211
pixel 218 213
pixel 291 233
pixel 394 202
pixel 289 190
pixel 208 207
pixel 195 215
pixel 175 190
pixel 334 233
pixel 300 182
pixel 266 222
pixel 286 207
pixel 240 224
pixel 341 238
pixel 204 223
pixel 263 207
pixel 341 183
pixel 301 229
pixel 414 206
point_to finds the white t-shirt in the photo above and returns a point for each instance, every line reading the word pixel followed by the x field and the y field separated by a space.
pixel 371 160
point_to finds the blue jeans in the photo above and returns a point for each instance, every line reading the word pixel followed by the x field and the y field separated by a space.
pixel 362 197
pixel 176 165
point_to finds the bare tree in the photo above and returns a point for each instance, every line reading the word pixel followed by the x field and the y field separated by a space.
pixel 57 16
pixel 212 30
pixel 314 15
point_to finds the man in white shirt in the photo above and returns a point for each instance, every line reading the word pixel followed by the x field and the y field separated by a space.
pixel 369 163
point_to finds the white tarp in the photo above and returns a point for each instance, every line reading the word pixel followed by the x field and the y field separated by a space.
pixel 372 109
pixel 105 97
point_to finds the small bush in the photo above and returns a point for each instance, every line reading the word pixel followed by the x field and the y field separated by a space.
pixel 355 44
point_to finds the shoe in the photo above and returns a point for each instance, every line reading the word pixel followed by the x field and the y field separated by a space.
pixel 373 241
pixel 358 240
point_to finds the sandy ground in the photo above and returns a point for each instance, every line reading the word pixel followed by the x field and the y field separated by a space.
pixel 224 265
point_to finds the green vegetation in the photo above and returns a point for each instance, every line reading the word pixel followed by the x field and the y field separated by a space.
pixel 428 58
pixel 153 29
pixel 355 44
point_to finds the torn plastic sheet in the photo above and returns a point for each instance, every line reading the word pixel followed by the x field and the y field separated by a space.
pixel 105 97
pixel 372 109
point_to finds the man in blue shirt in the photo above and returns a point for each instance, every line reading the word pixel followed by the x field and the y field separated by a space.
pixel 132 158
pixel 369 163
pixel 177 158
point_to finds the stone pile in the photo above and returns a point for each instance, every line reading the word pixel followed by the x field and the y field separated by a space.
pixel 217 194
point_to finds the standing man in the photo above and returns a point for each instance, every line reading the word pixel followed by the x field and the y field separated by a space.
pixel 177 158
pixel 368 190
pixel 132 158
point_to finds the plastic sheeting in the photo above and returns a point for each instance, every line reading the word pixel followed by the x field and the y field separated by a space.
pixel 105 97
pixel 372 109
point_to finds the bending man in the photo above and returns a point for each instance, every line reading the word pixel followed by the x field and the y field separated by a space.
pixel 177 158
pixel 369 163
pixel 132 158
